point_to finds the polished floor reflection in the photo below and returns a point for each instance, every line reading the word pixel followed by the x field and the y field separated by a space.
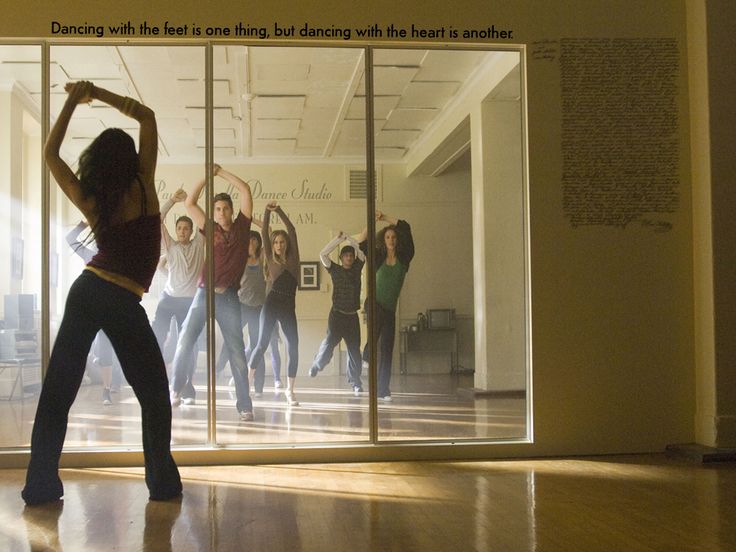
pixel 618 503
pixel 423 407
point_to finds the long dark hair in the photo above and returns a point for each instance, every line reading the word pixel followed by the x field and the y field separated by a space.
pixel 381 240
pixel 106 170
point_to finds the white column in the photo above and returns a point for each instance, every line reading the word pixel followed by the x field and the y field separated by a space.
pixel 498 246
pixel 713 166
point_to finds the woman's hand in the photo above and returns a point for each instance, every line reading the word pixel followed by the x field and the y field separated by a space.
pixel 272 206
pixel 379 215
pixel 216 169
pixel 178 196
pixel 79 92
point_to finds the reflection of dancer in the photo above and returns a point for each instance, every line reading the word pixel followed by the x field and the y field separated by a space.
pixel 185 258
pixel 104 356
pixel 42 527
pixel 252 294
pixel 282 270
pixel 343 319
pixel 394 252
pixel 230 255
pixel 159 522
pixel 115 191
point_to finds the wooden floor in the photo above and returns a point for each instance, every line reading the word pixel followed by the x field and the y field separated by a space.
pixel 624 503
pixel 423 407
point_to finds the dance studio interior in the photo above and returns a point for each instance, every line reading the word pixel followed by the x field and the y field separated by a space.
pixel 562 369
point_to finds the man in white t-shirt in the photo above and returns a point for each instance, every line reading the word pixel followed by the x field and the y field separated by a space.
pixel 185 258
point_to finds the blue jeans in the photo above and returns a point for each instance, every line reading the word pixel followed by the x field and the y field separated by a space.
pixel 169 307
pixel 227 314
pixel 250 317
pixel 385 329
pixel 342 326
pixel 94 304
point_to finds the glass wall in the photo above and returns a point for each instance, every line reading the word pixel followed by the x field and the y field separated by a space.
pixel 290 123
pixel 289 138
pixel 451 319
pixel 20 244
pixel 171 82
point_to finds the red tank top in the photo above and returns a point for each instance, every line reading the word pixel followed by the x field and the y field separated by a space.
pixel 131 249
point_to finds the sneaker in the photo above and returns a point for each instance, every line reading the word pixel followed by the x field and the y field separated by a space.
pixel 313 371
pixel 189 401
pixel 357 390
pixel 246 416
pixel 175 399
pixel 291 398
pixel 386 399
pixel 277 384
pixel 106 397
pixel 258 394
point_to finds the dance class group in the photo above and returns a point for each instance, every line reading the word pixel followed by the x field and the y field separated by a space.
pixel 256 275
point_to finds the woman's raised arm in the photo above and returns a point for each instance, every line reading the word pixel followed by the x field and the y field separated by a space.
pixel 78 92
pixel 147 139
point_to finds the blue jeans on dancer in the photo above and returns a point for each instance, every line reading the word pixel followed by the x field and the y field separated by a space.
pixel 250 317
pixel 227 314
pixel 385 329
pixel 172 307
pixel 341 326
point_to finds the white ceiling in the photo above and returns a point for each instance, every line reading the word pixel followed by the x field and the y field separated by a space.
pixel 269 102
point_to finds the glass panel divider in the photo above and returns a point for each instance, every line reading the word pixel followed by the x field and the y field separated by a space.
pixel 210 249
pixel 371 222
pixel 45 213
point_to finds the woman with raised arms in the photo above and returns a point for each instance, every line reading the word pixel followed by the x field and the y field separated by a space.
pixel 114 189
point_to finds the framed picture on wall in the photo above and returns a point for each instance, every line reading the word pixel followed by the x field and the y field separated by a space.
pixel 309 276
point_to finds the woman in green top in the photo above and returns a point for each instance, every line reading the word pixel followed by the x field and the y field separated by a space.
pixel 394 252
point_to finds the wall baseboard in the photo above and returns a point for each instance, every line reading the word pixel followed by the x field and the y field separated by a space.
pixel 474 392
pixel 702 453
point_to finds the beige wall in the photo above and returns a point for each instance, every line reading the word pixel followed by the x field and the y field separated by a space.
pixel 612 309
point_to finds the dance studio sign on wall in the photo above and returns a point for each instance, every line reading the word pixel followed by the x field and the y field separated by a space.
pixel 305 191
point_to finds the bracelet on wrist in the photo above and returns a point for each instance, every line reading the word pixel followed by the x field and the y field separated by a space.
pixel 129 105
